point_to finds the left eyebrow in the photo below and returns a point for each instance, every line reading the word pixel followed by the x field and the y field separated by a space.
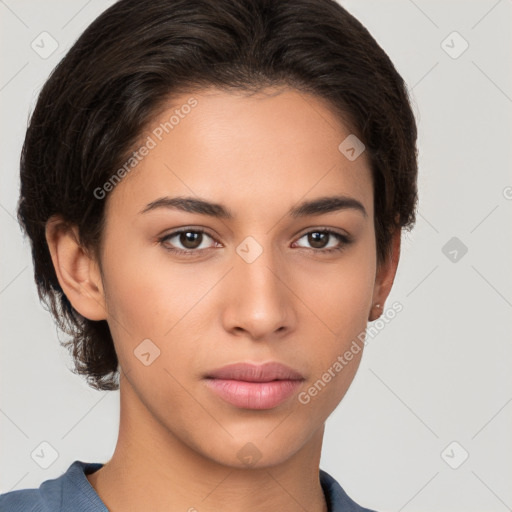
pixel 317 206
pixel 327 205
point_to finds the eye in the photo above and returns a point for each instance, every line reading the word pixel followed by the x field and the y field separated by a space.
pixel 319 239
pixel 190 239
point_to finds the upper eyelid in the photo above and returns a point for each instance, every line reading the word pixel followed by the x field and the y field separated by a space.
pixel 185 230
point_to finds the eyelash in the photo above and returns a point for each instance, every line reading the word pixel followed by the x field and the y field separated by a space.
pixel 344 239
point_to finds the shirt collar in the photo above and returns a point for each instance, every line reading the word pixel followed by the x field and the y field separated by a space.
pixel 336 498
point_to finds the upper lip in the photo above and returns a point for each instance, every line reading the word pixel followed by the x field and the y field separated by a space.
pixel 251 372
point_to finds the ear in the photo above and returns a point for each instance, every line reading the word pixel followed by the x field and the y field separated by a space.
pixel 78 273
pixel 385 277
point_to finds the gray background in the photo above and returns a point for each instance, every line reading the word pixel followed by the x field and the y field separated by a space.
pixel 438 373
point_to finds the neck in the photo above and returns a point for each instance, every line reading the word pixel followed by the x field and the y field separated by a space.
pixel 153 468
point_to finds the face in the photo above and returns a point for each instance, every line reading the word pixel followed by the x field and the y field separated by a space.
pixel 191 288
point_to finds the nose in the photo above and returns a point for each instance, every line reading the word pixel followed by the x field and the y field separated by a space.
pixel 258 299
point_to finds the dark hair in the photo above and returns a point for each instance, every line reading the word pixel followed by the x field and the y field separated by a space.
pixel 124 68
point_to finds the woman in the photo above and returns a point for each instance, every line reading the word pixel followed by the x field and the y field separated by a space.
pixel 214 191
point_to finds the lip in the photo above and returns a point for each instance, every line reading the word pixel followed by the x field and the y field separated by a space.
pixel 254 386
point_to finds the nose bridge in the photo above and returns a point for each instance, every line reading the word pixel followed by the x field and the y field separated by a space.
pixel 259 300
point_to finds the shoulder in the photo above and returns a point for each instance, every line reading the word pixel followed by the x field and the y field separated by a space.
pixel 70 492
pixel 337 499
pixel 24 500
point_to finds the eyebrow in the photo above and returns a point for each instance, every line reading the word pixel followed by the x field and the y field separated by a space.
pixel 317 206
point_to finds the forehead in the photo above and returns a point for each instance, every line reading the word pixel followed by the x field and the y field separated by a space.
pixel 268 150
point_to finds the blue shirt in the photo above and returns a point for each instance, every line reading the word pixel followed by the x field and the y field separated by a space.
pixel 72 492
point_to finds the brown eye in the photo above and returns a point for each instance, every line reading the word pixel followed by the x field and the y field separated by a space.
pixel 189 239
pixel 318 239
pixel 186 241
pixel 325 240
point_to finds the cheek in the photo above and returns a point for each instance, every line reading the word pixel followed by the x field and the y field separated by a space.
pixel 340 294
pixel 341 300
pixel 149 313
pixel 136 284
pixel 130 296
pixel 149 297
pixel 134 288
pixel 322 394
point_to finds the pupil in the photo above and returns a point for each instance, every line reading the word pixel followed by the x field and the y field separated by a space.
pixel 315 239
pixel 189 239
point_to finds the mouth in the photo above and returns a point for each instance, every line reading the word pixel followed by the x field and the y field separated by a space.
pixel 250 386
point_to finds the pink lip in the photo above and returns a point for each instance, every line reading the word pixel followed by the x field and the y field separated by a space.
pixel 251 386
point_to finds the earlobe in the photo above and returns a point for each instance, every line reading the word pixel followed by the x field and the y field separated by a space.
pixel 77 272
pixel 385 277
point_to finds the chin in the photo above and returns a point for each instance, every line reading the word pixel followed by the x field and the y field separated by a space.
pixel 254 452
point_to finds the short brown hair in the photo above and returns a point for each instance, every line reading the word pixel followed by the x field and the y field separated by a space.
pixel 135 55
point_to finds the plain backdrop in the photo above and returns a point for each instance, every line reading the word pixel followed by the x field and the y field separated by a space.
pixel 426 424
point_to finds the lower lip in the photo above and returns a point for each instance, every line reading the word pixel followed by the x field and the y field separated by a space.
pixel 254 395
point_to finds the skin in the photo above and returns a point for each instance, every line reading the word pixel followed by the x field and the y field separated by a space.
pixel 259 156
